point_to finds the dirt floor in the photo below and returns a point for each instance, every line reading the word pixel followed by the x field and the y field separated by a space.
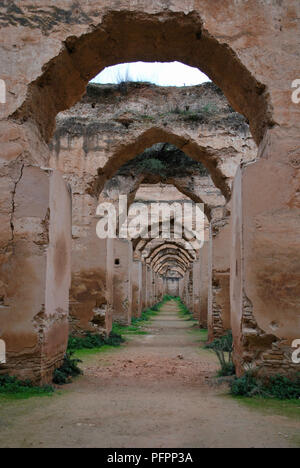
pixel 152 392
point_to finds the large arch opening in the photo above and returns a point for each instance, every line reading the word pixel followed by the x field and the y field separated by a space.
pixel 177 37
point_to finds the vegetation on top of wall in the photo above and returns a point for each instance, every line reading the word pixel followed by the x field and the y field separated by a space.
pixel 96 92
pixel 223 347
pixel 277 386
pixel 201 115
pixel 164 159
pixel 12 387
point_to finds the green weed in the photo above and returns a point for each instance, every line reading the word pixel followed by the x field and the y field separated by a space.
pixel 13 388
pixel 68 369
pixel 223 347
pixel 277 386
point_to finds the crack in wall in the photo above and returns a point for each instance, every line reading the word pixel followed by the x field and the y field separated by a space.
pixel 13 205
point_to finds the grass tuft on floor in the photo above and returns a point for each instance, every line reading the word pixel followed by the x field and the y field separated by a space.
pixel 94 341
pixel 288 408
pixel 184 312
pixel 15 389
pixel 200 333
pixel 137 323
pixel 274 387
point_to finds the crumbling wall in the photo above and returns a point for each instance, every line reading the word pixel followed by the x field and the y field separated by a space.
pixel 36 276
pixel 262 339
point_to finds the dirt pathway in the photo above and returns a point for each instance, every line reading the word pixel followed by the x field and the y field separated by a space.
pixel 153 392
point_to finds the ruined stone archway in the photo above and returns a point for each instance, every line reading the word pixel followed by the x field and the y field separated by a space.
pixel 210 157
pixel 178 36
pixel 251 57
pixel 170 256
pixel 149 245
pixel 174 245
pixel 178 251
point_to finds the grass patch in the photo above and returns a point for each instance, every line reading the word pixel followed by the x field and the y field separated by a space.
pixel 93 341
pixel 13 388
pixel 83 353
pixel 81 347
pixel 201 115
pixel 274 387
pixel 201 333
pixel 137 323
pixel 150 118
pixel 26 395
pixel 184 312
pixel 128 330
pixel 288 408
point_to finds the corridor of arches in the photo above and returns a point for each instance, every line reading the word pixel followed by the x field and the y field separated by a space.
pixel 69 147
pixel 63 141
pixel 114 280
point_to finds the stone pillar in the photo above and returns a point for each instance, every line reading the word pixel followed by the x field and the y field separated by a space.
pixel 205 273
pixel 196 289
pixel 165 288
pixel 150 282
pixel 144 288
pixel 189 289
pixel 159 288
pixel 220 319
pixel 186 288
pixel 136 287
pixel 148 286
pixel 35 278
pixel 210 293
pixel 118 281
pixel 154 287
pixel 265 263
pixel 181 288
pixel 88 302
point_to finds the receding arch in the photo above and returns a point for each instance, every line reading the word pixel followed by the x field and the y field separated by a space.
pixel 178 251
pixel 169 256
pixel 131 189
pixel 208 156
pixel 171 252
pixel 168 263
pixel 166 267
pixel 146 235
pixel 163 245
pixel 145 244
